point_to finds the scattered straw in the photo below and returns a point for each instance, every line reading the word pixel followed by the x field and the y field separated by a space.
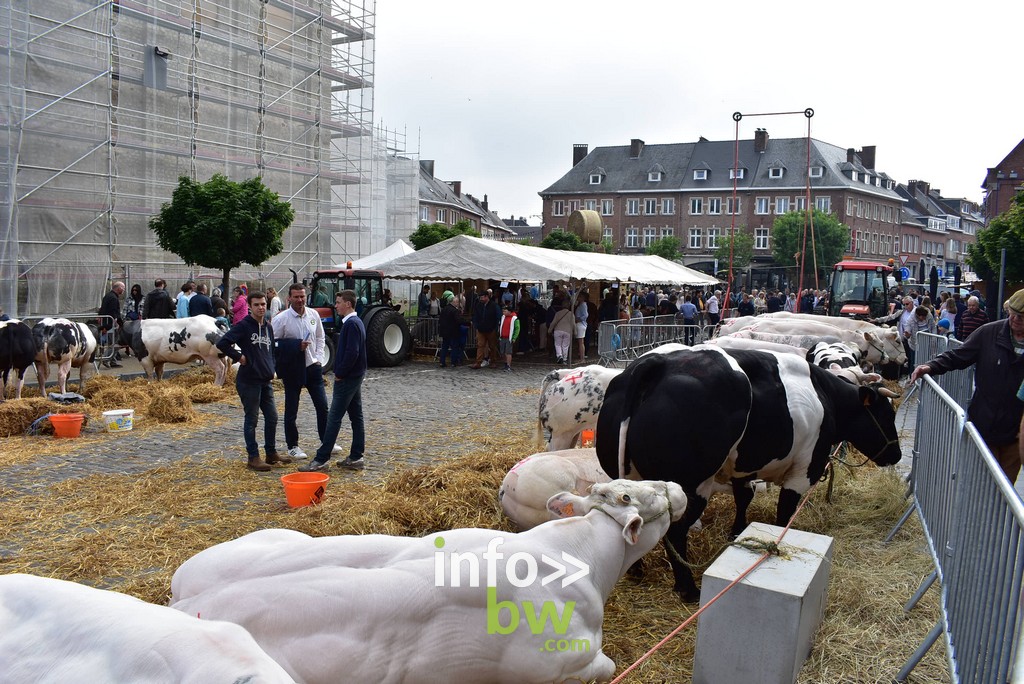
pixel 170 404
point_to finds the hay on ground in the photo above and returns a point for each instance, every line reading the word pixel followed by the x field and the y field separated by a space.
pixel 207 393
pixel 170 404
pixel 121 396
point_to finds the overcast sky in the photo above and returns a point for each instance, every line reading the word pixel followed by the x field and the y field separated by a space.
pixel 497 93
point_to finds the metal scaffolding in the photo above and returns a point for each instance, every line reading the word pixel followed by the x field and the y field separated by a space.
pixel 105 104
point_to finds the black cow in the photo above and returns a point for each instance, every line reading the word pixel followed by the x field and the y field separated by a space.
pixel 17 352
pixel 68 344
pixel 744 414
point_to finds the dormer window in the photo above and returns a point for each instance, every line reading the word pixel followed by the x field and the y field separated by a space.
pixel 816 171
pixel 700 174
pixel 853 175
pixel 736 174
pixel 878 182
pixel 654 176
pixel 775 172
pixel 595 179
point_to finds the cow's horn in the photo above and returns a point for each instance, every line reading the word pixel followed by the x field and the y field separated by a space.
pixel 886 392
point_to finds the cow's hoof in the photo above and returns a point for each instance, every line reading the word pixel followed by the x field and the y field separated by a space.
pixel 687 594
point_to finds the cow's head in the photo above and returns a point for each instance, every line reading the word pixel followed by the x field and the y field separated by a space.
pixel 631 503
pixel 873 429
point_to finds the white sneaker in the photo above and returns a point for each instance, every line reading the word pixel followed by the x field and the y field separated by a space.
pixel 485 363
pixel 336 449
pixel 297 452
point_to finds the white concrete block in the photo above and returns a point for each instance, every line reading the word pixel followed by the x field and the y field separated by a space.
pixel 762 629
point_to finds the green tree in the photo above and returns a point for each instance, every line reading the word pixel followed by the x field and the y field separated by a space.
pixel 831 239
pixel 570 242
pixel 222 224
pixel 742 246
pixel 666 247
pixel 606 247
pixel 431 233
pixel 1005 231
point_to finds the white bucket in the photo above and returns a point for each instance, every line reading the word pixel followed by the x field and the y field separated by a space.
pixel 119 420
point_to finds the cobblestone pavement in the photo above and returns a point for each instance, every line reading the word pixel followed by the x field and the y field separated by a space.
pixel 402 406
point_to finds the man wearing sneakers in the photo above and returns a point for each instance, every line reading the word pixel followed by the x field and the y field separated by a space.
pixel 299 334
pixel 349 370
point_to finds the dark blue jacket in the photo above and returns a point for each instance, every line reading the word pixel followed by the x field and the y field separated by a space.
pixel 257 343
pixel 350 361
pixel 200 304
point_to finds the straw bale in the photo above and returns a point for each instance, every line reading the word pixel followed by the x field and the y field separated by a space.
pixel 99 383
pixel 207 393
pixel 120 395
pixel 170 404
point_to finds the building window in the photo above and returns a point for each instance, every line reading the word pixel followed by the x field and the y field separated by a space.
pixel 713 235
pixel 595 179
pixel 649 236
pixel 853 176
pixel 696 205
pixel 442 216
pixel 714 205
pixel 606 234
pixel 736 174
pixel 816 171
pixel 668 206
pixel 574 205
pixel 650 207
pixel 631 238
pixel 823 203
pixel 696 238
pixel 667 232
pixel 632 207
pixel 424 214
pixel 761 238
pixel 860 208
pixel 558 208
pixel 700 174
pixel 607 207
pixel 849 206
pixel 775 172
pixel 800 203
pixel 590 205
pixel 730 209
pixel 653 176
pixel 761 205
pixel 781 205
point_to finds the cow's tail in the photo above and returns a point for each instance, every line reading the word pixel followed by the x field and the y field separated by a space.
pixel 539 439
pixel 644 374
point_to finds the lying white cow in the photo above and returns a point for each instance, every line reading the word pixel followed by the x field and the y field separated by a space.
pixel 525 491
pixel 878 346
pixel 66 343
pixel 733 342
pixel 467 605
pixel 835 321
pixel 156 341
pixel 570 399
pixel 57 631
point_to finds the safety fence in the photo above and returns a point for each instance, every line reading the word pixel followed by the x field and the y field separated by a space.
pixel 623 341
pixel 973 522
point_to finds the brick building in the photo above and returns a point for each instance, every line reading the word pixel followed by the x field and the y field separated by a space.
pixel 445 202
pixel 1003 182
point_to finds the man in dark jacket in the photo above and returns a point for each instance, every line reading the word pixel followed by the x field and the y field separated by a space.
pixel 448 327
pixel 110 318
pixel 255 356
pixel 158 304
pixel 201 303
pixel 997 351
pixel 485 319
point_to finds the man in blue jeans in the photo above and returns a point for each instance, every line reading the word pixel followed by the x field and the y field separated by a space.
pixel 349 370
pixel 255 339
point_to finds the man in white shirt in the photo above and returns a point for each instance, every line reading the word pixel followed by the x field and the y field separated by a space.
pixel 712 304
pixel 299 334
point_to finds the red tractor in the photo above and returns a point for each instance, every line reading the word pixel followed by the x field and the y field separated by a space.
pixel 387 336
pixel 858 289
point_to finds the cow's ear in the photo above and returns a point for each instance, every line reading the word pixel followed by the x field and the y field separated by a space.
pixel 867 395
pixel 631 532
pixel 565 505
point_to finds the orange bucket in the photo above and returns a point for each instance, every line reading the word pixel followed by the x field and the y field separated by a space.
pixel 587 439
pixel 304 489
pixel 67 424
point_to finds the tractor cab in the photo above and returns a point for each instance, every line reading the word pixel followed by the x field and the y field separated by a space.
pixel 858 289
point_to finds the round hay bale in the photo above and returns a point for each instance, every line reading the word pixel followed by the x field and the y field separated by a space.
pixel 206 393
pixel 170 404
pixel 586 223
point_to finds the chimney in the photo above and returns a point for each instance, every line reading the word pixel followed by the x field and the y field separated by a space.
pixel 428 166
pixel 578 153
pixel 761 140
pixel 867 156
pixel 636 146
pixel 484 203
pixel 851 156
pixel 456 188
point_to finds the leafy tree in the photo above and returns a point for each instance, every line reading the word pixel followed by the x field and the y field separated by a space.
pixel 431 233
pixel 570 242
pixel 1005 231
pixel 666 247
pixel 222 224
pixel 742 244
pixel 831 239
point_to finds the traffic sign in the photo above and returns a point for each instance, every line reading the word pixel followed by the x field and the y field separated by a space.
pixel 904 258
pixel 905 273
pixel 938 272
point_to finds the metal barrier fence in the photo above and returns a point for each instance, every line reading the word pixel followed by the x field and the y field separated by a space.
pixel 958 385
pixel 973 521
pixel 623 341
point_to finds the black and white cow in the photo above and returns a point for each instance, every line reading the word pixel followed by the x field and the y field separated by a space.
pixel 731 415
pixel 570 400
pixel 824 354
pixel 17 352
pixel 66 343
pixel 156 341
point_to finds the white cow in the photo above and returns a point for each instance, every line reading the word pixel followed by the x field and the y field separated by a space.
pixel 156 341
pixel 525 491
pixel 733 342
pixel 468 605
pixel 880 345
pixel 57 631
pixel 66 343
pixel 570 399
pixel 835 321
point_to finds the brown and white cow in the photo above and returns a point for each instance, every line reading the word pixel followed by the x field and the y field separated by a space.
pixel 156 341
pixel 66 343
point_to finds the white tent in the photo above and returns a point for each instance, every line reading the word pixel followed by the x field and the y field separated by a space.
pixel 393 251
pixel 464 258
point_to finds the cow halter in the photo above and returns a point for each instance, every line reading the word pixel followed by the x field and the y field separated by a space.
pixel 878 348
pixel 667 509
pixel 888 442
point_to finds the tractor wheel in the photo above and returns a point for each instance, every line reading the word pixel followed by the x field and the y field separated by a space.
pixel 328 354
pixel 387 338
